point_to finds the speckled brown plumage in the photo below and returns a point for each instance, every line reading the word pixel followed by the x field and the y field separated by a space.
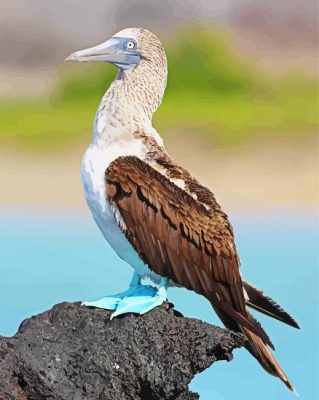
pixel 178 237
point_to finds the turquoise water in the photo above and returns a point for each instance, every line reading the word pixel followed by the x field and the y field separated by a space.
pixel 47 257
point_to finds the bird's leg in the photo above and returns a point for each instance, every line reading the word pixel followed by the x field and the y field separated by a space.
pixel 136 290
pixel 141 303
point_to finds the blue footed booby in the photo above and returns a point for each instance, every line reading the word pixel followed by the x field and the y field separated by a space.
pixel 152 212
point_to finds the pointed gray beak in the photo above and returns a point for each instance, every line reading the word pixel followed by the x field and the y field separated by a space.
pixel 113 51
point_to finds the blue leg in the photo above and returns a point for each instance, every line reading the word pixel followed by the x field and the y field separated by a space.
pixel 136 289
pixel 141 304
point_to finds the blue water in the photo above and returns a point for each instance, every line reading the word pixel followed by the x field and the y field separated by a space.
pixel 47 257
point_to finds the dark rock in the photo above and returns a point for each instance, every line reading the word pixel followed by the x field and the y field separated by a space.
pixel 10 385
pixel 74 352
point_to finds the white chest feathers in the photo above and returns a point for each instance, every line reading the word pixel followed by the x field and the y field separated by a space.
pixel 95 161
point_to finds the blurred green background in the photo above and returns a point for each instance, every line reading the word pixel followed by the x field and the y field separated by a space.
pixel 212 90
pixel 240 110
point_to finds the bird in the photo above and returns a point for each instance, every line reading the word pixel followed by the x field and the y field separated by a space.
pixel 155 215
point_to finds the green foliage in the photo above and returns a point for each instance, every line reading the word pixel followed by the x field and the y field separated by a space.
pixel 211 90
pixel 82 82
pixel 202 61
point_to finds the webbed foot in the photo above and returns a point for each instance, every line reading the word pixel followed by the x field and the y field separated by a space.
pixel 137 298
pixel 112 302
pixel 142 304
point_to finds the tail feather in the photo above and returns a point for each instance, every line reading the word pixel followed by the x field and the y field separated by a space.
pixel 264 304
pixel 256 345
pixel 260 351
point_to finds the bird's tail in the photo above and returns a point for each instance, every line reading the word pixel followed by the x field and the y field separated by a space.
pixel 259 350
pixel 256 344
pixel 257 300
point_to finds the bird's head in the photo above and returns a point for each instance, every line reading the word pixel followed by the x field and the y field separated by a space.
pixel 126 49
pixel 141 60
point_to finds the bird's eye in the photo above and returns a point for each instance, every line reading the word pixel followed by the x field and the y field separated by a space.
pixel 130 45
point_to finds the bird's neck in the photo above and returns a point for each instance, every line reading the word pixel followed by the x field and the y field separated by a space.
pixel 128 105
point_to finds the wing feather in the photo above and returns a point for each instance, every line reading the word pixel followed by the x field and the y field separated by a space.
pixel 178 237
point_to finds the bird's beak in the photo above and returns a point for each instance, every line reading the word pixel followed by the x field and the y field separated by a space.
pixel 112 51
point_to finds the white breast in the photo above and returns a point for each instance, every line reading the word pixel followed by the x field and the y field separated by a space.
pixel 95 161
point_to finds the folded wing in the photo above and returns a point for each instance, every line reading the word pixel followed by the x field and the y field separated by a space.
pixel 178 237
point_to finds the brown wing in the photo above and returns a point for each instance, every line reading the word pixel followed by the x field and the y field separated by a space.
pixel 178 237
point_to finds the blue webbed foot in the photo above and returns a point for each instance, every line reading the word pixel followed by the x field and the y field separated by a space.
pixel 142 304
pixel 112 302
pixel 137 299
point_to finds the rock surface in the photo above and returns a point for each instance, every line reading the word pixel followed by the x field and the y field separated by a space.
pixel 73 352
